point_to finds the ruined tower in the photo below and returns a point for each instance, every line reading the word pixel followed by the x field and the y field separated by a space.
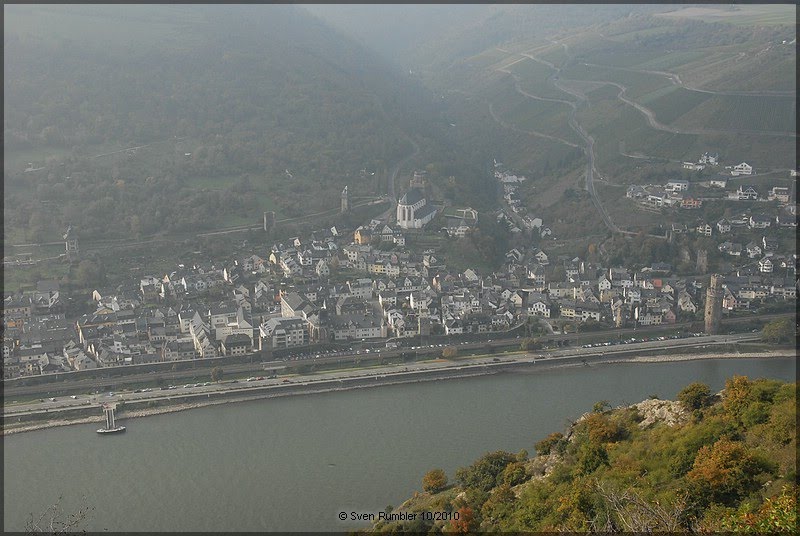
pixel 714 304
pixel 345 200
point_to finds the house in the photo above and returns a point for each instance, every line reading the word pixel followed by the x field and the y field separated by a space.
pixel 704 229
pixel 759 222
pixel 779 193
pixel 724 226
pixel 746 192
pixel 719 182
pixel 709 159
pixel 693 167
pixel 742 169
pixel 765 265
pixel 538 305
pixel 236 344
pixel 691 203
pixel 283 333
pixel 362 235
pixel 753 250
pixel 769 244
pixel 685 303
pixel 677 185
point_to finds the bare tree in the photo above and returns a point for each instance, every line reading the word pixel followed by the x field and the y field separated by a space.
pixel 632 513
pixel 53 520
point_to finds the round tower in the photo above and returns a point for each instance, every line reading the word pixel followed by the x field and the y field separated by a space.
pixel 714 304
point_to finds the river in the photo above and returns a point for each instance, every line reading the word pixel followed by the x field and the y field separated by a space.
pixel 294 463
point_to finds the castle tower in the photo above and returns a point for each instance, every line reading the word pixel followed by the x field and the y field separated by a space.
pixel 714 304
pixel 345 200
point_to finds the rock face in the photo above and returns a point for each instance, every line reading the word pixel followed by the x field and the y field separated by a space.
pixel 671 413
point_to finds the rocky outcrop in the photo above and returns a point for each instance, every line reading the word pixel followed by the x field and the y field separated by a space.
pixel 670 412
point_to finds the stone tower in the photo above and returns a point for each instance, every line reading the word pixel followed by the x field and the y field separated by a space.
pixel 714 304
pixel 345 200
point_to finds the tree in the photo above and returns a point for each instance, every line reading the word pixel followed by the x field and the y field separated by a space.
pixel 484 473
pixel 778 331
pixel 592 456
pixel 450 352
pixel 546 445
pixel 602 429
pixel 695 396
pixel 465 523
pixel 54 521
pixel 216 374
pixel 434 481
pixel 724 473
pixel 601 406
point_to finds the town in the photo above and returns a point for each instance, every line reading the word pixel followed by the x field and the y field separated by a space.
pixel 378 286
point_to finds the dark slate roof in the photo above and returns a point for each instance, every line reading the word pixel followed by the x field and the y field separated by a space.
pixel 424 211
pixel 411 197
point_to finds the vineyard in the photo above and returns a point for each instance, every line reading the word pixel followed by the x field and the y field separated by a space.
pixel 533 79
pixel 736 112
pixel 550 118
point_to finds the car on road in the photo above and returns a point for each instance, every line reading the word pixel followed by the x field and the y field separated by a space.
pixel 73 397
pixel 52 399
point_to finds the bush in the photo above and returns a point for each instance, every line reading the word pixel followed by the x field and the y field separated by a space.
pixel 450 352
pixel 483 474
pixel 778 331
pixel 546 445
pixel 695 396
pixel 434 481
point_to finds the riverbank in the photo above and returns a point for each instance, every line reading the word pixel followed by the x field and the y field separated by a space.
pixel 442 374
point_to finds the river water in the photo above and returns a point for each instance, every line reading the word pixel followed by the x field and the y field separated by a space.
pixel 294 463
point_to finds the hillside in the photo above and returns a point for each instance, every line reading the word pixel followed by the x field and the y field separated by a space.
pixel 705 462
pixel 227 112
pixel 652 90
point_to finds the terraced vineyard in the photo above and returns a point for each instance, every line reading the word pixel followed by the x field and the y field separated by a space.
pixel 533 79
pixel 737 112
pixel 547 117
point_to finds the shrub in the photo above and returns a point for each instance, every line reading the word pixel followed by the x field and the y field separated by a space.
pixel 434 481
pixel 695 396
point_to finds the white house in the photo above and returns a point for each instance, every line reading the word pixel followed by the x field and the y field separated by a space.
pixel 677 185
pixel 742 169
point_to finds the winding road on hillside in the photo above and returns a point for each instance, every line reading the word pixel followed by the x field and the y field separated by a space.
pixel 657 125
pixel 588 139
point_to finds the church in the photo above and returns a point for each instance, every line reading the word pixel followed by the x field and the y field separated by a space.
pixel 413 212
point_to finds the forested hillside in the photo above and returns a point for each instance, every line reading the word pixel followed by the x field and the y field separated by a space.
pixel 705 462
pixel 219 101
